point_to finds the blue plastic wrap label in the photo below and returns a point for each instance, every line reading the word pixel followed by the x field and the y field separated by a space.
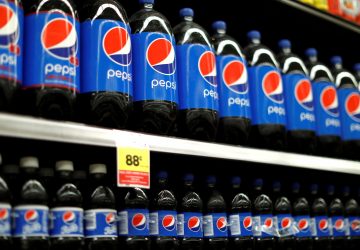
pixel 163 223
pixel 31 221
pixel 303 226
pixel 134 222
pixel 284 225
pixel 298 102
pixel 197 77
pixel 326 109
pixel 190 225
pixel 5 220
pixel 11 41
pixel 215 225
pixel 320 226
pixel 354 226
pixel 100 223
pixel 240 225
pixel 66 222
pixel 266 95
pixel 263 226
pixel 154 67
pixel 339 226
pixel 234 99
pixel 350 114
pixel 52 50
pixel 107 42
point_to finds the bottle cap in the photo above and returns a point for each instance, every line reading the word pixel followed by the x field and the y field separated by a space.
pixel 330 188
pixel 186 12
pixel 311 52
pixel 97 169
pixel 336 60
pixel 29 162
pixel 162 175
pixel 296 186
pixel 276 185
pixel 64 166
pixel 146 1
pixel 236 180
pixel 284 44
pixel 258 182
pixel 357 67
pixel 211 179
pixel 219 25
pixel 254 34
pixel 189 177
pixel 314 187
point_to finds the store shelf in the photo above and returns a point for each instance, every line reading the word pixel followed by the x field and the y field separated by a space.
pixel 40 129
pixel 322 14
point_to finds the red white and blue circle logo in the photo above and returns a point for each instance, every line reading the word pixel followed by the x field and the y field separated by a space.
pixel 323 224
pixel 138 221
pixel 31 216
pixel 59 39
pixel 329 101
pixel 4 214
pixel 352 106
pixel 110 218
pixel 9 29
pixel 69 217
pixel 235 77
pixel 304 94
pixel 272 87
pixel 161 56
pixel 339 225
pixel 303 225
pixel 168 222
pixel 268 223
pixel 285 223
pixel 355 225
pixel 194 224
pixel 207 67
pixel 247 223
pixel 221 224
pixel 117 46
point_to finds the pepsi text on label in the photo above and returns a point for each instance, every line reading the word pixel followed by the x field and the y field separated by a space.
pixel 66 222
pixel 100 223
pixel 31 221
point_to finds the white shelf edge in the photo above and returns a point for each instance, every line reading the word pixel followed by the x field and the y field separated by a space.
pixel 40 129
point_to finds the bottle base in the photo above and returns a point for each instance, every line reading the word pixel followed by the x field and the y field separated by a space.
pixel 234 130
pixel 8 93
pixel 270 136
pixel 351 150
pixel 301 142
pixel 329 146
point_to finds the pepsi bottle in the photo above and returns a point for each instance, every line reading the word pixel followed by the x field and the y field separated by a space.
pixel 263 226
pixel 300 117
pixel 163 216
pixel 52 72
pixel 190 220
pixel 266 95
pixel 353 220
pixel 301 215
pixel 154 71
pixel 66 214
pixel 349 101
pixel 11 175
pixel 198 96
pixel 11 52
pixel 320 226
pixel 357 73
pixel 234 103
pixel 31 211
pixel 134 221
pixel 240 218
pixel 325 106
pixel 106 70
pixel 5 216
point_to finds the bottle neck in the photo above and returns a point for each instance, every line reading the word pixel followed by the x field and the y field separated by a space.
pixel 188 18
pixel 148 6
pixel 338 66
pixel 313 59
pixel 286 51
pixel 255 41
pixel 220 32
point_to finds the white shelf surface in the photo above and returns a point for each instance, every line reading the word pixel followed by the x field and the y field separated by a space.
pixel 68 132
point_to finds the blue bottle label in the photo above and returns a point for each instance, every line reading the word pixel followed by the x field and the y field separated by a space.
pixel 320 226
pixel 326 109
pixel 66 222
pixel 263 226
pixel 154 67
pixel 11 41
pixel 107 42
pixel 215 225
pixel 339 226
pixel 31 221
pixel 302 223
pixel 5 219
pixel 240 225
pixel 190 225
pixel 234 99
pixel 52 51
pixel 350 114
pixel 197 77
pixel 298 102
pixel 266 95
pixel 284 225
pixel 100 223
pixel 354 226
pixel 134 222
pixel 163 223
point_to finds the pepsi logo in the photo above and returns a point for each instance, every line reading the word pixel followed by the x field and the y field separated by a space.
pixel 117 46
pixel 4 214
pixel 207 67
pixel 168 222
pixel 268 223
pixel 339 225
pixel 110 218
pixel 323 224
pixel 139 221
pixel 304 94
pixel 9 29
pixel 161 56
pixel 303 224
pixel 221 224
pixel 247 223
pixel 285 223
pixel 59 39
pixel 235 77
pixel 194 224
pixel 355 225
pixel 68 217
pixel 352 106
pixel 272 87
pixel 329 101
pixel 31 216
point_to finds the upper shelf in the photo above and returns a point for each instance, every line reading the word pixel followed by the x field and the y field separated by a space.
pixel 322 14
pixel 40 129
